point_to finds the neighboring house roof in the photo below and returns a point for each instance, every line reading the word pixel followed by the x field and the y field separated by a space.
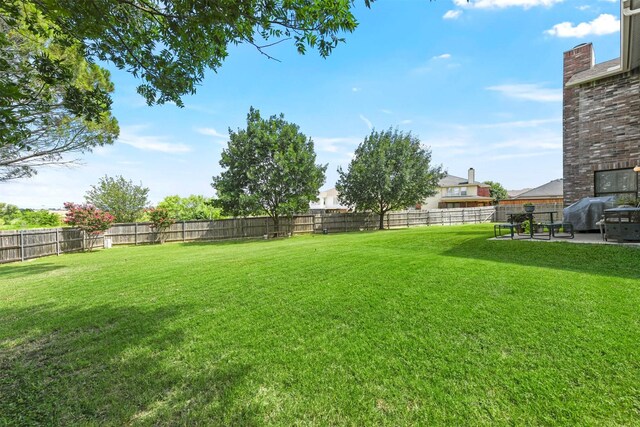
pixel 453 181
pixel 629 48
pixel 514 193
pixel 548 190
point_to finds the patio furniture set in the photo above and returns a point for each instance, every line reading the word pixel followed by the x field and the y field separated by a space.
pixel 535 230
pixel 620 224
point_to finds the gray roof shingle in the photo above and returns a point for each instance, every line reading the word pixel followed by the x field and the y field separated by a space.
pixel 550 189
pixel 595 72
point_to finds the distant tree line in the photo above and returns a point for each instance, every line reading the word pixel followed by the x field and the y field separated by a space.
pixel 12 217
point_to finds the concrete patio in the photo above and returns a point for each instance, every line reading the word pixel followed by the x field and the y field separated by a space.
pixel 594 238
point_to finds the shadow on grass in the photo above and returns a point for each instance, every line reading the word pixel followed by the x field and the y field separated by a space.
pixel 23 269
pixel 109 365
pixel 604 260
pixel 228 242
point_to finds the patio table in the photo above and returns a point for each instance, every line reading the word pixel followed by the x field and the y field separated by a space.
pixel 530 219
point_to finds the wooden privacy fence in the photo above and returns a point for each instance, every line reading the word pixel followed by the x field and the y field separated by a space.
pixel 20 245
pixel 503 211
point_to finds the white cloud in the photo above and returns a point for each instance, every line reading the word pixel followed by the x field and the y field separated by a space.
pixel 355 89
pixel 603 24
pixel 211 132
pixel 500 157
pixel 446 142
pixel 130 135
pixel 452 14
pixel 540 142
pixel 583 7
pixel 366 121
pixel 423 69
pixel 386 111
pixel 521 123
pixel 502 4
pixel 529 92
pixel 443 56
pixel 335 145
pixel 406 122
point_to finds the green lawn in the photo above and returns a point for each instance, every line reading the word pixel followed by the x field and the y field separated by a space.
pixel 424 326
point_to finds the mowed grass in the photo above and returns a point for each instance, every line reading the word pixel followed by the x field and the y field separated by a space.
pixel 424 326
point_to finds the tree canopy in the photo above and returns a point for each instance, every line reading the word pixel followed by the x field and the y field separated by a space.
pixel 121 198
pixel 497 191
pixel 193 207
pixel 390 170
pixel 269 168
pixel 52 101
pixel 169 44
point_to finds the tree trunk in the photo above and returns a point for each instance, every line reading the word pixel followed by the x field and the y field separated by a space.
pixel 276 225
pixel 381 227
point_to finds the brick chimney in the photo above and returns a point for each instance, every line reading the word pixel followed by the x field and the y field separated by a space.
pixel 580 58
pixel 472 175
pixel 576 60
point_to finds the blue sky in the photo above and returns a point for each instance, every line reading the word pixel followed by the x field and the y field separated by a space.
pixel 479 83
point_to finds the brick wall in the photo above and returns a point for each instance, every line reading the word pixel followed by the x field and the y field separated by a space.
pixel 601 125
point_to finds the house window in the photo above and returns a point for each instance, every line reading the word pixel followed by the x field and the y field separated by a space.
pixel 456 191
pixel 620 182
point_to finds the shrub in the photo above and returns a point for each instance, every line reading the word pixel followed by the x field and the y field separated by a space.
pixel 89 219
pixel 161 221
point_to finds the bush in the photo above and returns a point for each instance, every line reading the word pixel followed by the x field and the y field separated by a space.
pixel 89 219
pixel 161 221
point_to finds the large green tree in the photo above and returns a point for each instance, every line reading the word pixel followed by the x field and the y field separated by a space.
pixel 193 207
pixel 270 167
pixel 52 101
pixel 169 44
pixel 497 191
pixel 390 170
pixel 123 199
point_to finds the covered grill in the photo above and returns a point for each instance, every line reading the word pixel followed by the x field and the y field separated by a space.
pixel 586 212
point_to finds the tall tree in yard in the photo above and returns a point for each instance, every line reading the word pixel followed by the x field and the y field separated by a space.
pixel 121 198
pixel 270 167
pixel 170 44
pixel 390 170
pixel 52 101
pixel 497 191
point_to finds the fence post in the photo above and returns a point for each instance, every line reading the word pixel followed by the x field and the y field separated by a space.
pixel 407 219
pixel 184 234
pixel 21 245
pixel 57 242
pixel 388 225
pixel 135 231
pixel 345 222
pixel 463 217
